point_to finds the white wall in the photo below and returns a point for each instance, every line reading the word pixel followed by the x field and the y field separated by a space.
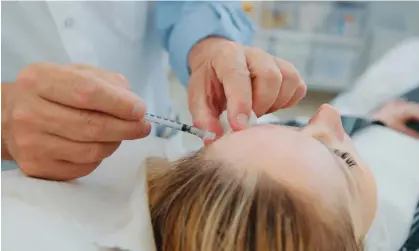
pixel 391 22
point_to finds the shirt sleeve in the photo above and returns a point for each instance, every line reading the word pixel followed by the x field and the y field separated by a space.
pixel 183 24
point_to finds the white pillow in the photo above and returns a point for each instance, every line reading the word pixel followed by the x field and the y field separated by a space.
pixel 394 74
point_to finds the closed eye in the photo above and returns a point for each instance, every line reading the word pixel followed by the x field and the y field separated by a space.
pixel 349 162
pixel 345 156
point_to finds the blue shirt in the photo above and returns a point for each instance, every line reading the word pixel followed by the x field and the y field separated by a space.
pixel 183 24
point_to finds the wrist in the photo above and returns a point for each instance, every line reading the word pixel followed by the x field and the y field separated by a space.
pixel 198 54
pixel 6 92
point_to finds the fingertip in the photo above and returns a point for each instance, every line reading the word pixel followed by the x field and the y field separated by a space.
pixel 209 141
pixel 139 110
pixel 218 131
pixel 146 129
pixel 239 122
pixel 140 129
pixel 242 120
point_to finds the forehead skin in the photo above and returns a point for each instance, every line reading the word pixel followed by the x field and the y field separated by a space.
pixel 287 155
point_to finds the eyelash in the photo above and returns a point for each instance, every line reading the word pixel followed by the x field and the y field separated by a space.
pixel 347 157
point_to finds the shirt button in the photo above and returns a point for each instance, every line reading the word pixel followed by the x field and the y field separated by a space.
pixel 69 23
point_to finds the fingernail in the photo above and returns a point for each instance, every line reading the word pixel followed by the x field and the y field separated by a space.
pixel 209 136
pixel 243 120
pixel 138 111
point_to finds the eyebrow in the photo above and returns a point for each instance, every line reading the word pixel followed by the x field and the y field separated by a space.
pixel 342 167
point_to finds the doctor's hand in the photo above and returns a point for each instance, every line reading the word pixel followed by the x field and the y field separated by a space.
pixel 396 113
pixel 227 75
pixel 60 122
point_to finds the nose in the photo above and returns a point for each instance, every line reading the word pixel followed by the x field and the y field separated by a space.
pixel 327 123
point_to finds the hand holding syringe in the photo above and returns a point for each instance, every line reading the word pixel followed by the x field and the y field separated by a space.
pixel 205 135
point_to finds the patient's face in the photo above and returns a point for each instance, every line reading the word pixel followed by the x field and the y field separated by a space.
pixel 319 160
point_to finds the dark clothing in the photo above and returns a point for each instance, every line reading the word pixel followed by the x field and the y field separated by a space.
pixel 412 242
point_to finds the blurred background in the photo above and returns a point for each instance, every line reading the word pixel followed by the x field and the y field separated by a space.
pixel 330 43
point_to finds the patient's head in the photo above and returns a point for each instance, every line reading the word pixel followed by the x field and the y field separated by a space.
pixel 266 188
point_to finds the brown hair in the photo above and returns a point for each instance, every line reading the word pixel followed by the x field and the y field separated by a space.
pixel 201 204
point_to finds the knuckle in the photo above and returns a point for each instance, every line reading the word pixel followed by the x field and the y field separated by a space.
pixel 237 73
pixel 272 75
pixel 22 115
pixel 287 68
pixel 228 50
pixel 23 143
pixel 285 64
pixel 257 50
pixel 233 73
pixel 228 47
pixel 252 51
pixel 122 80
pixel 84 90
pixel 28 76
pixel 94 126
pixel 94 131
pixel 294 74
pixel 94 152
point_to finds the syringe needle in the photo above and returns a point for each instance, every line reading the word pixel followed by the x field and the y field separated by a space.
pixel 203 134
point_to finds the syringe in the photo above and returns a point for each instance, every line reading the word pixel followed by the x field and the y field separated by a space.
pixel 206 135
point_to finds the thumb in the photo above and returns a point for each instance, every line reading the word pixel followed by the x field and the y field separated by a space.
pixel 227 126
pixel 238 116
pixel 238 93
pixel 239 111
pixel 204 114
pixel 232 72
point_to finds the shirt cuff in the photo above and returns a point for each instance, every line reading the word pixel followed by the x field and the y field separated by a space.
pixel 212 19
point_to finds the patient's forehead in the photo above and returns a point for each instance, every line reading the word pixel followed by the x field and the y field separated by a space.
pixel 287 155
pixel 267 144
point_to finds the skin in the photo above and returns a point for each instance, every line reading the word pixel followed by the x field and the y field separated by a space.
pixel 228 76
pixel 396 113
pixel 60 121
pixel 304 159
